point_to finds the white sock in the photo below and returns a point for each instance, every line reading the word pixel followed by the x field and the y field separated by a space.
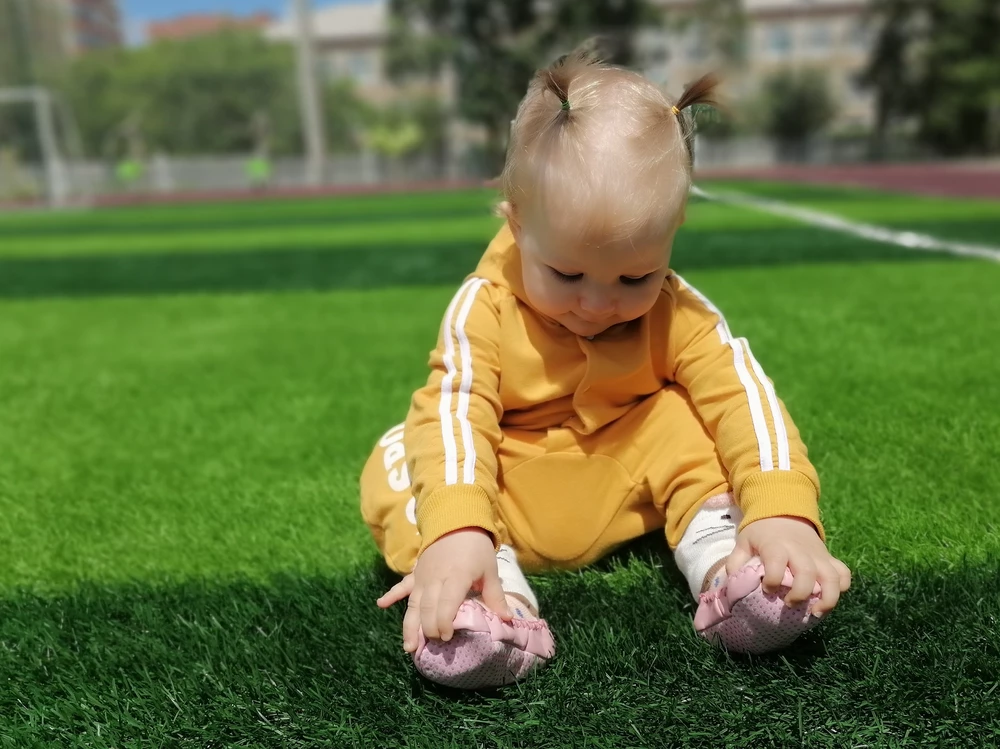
pixel 710 538
pixel 512 580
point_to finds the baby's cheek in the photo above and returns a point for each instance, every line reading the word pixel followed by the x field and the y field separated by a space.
pixel 637 306
pixel 548 300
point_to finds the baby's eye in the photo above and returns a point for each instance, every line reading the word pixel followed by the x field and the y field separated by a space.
pixel 566 277
pixel 635 281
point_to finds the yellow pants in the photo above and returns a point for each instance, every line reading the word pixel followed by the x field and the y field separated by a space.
pixel 567 499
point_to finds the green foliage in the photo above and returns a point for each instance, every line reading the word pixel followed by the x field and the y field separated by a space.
pixel 936 61
pixel 408 126
pixel 32 52
pixel 796 105
pixel 200 96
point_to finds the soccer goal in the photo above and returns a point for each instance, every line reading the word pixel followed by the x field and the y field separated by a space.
pixel 58 144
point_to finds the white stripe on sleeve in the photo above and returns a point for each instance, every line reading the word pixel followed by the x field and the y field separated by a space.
pixel 465 390
pixel 454 329
pixel 740 357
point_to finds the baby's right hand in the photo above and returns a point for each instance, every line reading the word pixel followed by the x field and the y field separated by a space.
pixel 448 569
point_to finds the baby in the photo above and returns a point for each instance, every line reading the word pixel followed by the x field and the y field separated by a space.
pixel 582 394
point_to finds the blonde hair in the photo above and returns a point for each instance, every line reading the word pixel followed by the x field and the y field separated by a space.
pixel 601 151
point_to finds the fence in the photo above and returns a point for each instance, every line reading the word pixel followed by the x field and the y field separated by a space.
pixel 163 175
pixel 167 175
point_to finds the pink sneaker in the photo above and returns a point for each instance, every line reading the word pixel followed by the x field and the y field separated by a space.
pixel 485 651
pixel 741 617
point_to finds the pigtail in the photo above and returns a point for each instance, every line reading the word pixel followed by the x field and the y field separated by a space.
pixel 702 91
pixel 557 78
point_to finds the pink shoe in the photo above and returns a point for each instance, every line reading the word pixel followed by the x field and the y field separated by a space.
pixel 485 651
pixel 741 617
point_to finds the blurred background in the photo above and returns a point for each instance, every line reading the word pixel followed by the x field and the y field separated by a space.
pixel 128 100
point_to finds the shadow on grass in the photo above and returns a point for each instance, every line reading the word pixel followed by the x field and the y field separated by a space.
pixel 112 225
pixel 395 264
pixel 313 662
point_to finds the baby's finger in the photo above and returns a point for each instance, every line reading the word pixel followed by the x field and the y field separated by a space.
pixel 429 610
pixel 845 575
pixel 829 582
pixel 740 556
pixel 775 559
pixel 396 593
pixel 493 595
pixel 804 573
pixel 411 623
pixel 453 592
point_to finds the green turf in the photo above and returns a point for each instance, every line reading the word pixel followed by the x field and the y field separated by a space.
pixel 181 433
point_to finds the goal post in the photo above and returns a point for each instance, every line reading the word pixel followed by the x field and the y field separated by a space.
pixel 47 120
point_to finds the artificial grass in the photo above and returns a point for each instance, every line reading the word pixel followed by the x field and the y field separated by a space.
pixel 184 564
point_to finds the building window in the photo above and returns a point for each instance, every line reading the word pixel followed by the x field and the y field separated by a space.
pixel 860 36
pixel 331 67
pixel 818 38
pixel 778 40
pixel 361 67
pixel 696 47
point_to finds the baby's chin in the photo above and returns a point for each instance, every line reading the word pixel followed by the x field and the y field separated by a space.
pixel 583 328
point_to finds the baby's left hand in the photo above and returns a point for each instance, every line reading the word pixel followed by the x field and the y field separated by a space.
pixel 792 542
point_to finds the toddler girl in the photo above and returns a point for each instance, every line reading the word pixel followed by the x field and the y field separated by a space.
pixel 583 394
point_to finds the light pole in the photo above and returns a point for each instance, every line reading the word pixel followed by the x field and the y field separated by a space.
pixel 313 133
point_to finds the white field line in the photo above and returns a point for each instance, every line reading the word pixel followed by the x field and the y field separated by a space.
pixel 908 239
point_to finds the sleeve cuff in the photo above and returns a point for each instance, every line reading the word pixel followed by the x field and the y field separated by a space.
pixel 452 508
pixel 777 493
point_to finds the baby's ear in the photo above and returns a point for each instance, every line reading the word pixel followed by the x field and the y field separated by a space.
pixel 506 210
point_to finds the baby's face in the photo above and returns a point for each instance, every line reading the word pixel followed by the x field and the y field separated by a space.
pixel 589 288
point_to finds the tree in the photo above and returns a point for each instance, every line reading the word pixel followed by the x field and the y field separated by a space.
pixel 887 72
pixel 409 126
pixel 494 48
pixel 204 95
pixel 32 53
pixel 795 106
pixel 958 98
pixel 935 61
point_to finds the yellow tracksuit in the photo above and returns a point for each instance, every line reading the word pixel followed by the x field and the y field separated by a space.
pixel 566 447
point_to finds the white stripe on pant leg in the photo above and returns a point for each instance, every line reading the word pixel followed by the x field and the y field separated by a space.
pixel 444 406
pixel 780 429
pixel 465 388
pixel 760 429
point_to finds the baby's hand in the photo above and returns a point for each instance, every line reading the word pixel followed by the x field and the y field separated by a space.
pixel 448 569
pixel 792 542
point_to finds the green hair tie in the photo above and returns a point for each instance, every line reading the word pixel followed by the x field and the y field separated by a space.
pixel 565 105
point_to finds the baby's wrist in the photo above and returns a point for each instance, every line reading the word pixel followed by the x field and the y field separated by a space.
pixel 804 521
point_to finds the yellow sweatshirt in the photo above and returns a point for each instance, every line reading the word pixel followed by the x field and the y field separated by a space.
pixel 499 363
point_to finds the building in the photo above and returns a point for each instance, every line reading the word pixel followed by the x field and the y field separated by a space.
pixel 832 36
pixel 351 41
pixel 186 27
pixel 39 37
pixel 93 25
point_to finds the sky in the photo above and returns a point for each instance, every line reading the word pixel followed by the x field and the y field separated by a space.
pixel 140 12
